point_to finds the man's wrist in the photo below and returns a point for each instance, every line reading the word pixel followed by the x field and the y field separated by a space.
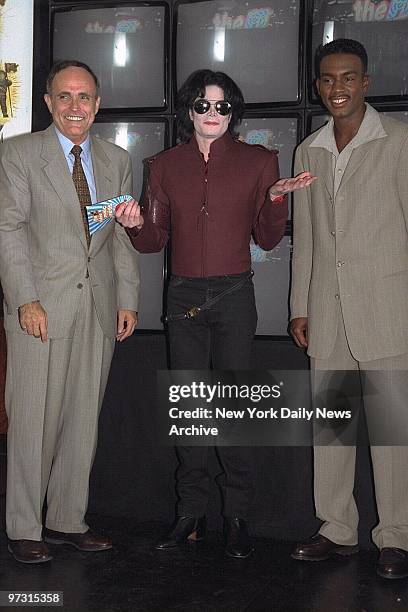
pixel 28 304
pixel 139 226
pixel 132 231
pixel 277 198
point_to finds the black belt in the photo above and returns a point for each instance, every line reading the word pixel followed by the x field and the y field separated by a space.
pixel 195 310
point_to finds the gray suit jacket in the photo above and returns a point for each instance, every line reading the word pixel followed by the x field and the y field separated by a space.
pixel 353 248
pixel 43 250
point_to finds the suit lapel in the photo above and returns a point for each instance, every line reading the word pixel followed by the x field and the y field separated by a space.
pixel 356 159
pixel 102 171
pixel 323 167
pixel 57 171
pixel 103 180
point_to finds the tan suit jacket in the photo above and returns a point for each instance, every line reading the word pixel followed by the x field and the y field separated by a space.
pixel 352 247
pixel 54 390
pixel 43 250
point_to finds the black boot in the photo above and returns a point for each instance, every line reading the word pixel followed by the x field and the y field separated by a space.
pixel 186 528
pixel 236 536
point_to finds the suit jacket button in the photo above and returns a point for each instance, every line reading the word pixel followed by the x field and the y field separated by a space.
pixel 79 285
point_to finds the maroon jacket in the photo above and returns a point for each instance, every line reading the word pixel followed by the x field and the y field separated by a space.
pixel 211 209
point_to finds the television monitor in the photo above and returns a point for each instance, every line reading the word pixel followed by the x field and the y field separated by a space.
pixel 381 26
pixel 142 138
pixel 274 132
pixel 271 282
pixel 316 121
pixel 246 39
pixel 124 45
pixel 281 133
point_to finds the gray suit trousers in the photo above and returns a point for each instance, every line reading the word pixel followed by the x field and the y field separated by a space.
pixel 334 466
pixel 53 423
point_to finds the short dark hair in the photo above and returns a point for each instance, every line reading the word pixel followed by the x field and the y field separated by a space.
pixel 194 87
pixel 62 64
pixel 341 45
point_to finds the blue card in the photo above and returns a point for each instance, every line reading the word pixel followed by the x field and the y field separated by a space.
pixel 103 212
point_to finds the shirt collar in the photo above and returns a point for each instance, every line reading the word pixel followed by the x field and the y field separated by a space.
pixel 67 145
pixel 370 129
pixel 217 146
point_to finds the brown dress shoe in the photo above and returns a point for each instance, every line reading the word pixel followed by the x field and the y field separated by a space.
pixel 319 548
pixel 87 541
pixel 29 551
pixel 393 563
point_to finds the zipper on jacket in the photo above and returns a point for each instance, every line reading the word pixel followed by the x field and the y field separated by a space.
pixel 203 215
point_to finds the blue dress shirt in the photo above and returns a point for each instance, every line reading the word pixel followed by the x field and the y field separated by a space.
pixel 86 161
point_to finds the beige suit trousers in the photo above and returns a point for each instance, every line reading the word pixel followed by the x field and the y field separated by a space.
pixel 54 392
pixel 334 466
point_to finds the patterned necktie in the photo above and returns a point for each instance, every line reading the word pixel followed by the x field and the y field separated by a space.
pixel 82 189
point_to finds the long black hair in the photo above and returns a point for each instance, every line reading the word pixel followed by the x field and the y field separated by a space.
pixel 194 87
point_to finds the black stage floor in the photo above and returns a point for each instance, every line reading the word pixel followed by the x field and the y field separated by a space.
pixel 200 578
pixel 134 577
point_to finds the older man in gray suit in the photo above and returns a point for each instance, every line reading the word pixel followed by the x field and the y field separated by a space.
pixel 67 297
pixel 349 302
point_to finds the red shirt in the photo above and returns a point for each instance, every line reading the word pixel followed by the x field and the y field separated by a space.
pixel 211 209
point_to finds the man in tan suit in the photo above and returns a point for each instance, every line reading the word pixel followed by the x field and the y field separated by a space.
pixel 349 301
pixel 66 299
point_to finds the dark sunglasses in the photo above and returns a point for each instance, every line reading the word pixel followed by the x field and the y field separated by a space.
pixel 202 106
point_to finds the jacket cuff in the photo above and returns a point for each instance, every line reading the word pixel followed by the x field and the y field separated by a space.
pixel 298 316
pixel 279 209
pixel 133 231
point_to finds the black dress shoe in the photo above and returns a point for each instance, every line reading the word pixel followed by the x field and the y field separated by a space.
pixel 393 563
pixel 236 538
pixel 186 529
pixel 319 548
pixel 29 551
pixel 88 541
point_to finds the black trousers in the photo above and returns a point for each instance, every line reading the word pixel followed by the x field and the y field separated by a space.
pixel 220 337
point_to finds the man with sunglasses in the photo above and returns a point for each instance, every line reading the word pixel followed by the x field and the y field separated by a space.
pixel 211 193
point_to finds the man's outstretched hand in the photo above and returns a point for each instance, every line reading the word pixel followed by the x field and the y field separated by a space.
pixel 287 185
